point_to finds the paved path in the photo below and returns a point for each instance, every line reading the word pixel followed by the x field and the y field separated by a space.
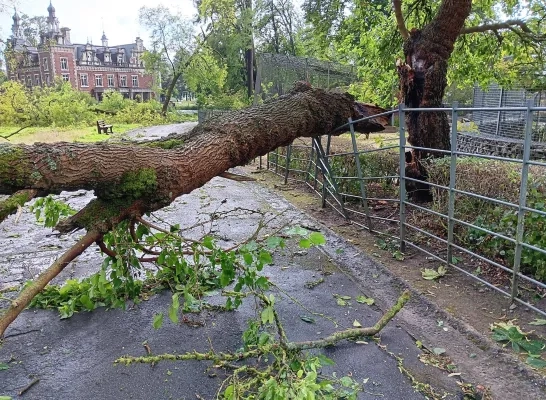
pixel 73 358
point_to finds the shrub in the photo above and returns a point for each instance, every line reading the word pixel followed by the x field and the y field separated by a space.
pixel 501 181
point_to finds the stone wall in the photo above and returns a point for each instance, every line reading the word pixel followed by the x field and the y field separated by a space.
pixel 497 146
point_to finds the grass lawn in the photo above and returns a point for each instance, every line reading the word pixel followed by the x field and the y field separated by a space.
pixel 50 135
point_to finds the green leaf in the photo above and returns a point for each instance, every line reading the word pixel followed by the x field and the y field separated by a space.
pixel 5 398
pixel 305 243
pixel 86 302
pixel 228 393
pixel 357 324
pixel 265 257
pixel 273 242
pixel 430 274
pixel 3 367
pixel 438 351
pixel 346 381
pixel 317 238
pixel 158 321
pixel 307 319
pixel 365 300
pixel 267 315
pixel 173 309
pixel 341 302
pixel 297 230
pixel 538 322
pixel 247 257
pixel 536 362
pixel 208 242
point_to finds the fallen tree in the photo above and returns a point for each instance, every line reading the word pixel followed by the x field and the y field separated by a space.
pixel 130 180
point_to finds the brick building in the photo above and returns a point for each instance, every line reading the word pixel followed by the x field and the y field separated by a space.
pixel 89 68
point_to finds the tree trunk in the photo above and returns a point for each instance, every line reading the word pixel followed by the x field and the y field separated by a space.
pixel 169 94
pixel 249 53
pixel 423 79
pixel 132 179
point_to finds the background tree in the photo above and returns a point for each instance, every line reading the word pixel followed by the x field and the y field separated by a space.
pixel 173 39
pixel 229 28
pixel 481 40
pixel 32 27
pixel 278 23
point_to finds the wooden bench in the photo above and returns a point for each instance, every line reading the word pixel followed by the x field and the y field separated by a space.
pixel 103 128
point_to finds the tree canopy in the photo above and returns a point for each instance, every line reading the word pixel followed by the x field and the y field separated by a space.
pixel 501 41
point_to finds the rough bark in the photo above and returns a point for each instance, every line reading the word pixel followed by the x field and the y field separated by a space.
pixel 423 80
pixel 130 180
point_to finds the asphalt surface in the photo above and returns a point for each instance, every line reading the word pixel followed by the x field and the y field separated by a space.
pixel 73 358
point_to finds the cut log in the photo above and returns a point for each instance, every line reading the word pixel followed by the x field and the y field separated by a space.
pixel 132 179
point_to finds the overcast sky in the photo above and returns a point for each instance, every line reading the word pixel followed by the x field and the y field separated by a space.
pixel 85 19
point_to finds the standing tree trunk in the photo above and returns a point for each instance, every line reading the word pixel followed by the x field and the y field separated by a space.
pixel 169 94
pixel 423 79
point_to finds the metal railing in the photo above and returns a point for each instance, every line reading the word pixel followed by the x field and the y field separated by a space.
pixel 348 181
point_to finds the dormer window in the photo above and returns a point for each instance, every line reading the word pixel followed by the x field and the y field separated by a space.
pixel 120 59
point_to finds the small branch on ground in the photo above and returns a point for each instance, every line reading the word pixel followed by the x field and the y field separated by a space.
pixel 312 344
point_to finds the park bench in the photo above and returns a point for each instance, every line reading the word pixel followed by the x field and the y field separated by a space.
pixel 103 128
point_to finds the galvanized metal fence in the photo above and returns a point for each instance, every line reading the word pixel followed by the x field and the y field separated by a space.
pixel 508 124
pixel 473 219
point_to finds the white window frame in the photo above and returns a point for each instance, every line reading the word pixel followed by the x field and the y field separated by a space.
pixel 46 65
pixel 123 81
pixel 98 80
pixel 86 80
pixel 110 80
pixel 47 79
pixel 134 79
pixel 66 77
pixel 65 62
pixel 37 79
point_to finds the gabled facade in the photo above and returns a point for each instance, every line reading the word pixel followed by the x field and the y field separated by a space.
pixel 89 68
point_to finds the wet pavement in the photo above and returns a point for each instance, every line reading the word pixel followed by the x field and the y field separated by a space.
pixel 73 358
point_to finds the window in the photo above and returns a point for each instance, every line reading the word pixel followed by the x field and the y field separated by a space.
pixel 66 77
pixel 37 79
pixel 64 64
pixel 29 80
pixel 46 66
pixel 120 59
pixel 98 80
pixel 110 80
pixel 135 80
pixel 83 80
pixel 123 81
pixel 47 79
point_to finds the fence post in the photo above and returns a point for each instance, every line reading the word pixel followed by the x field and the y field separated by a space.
pixel 452 181
pixel 310 164
pixel 499 112
pixel 277 160
pixel 287 169
pixel 522 199
pixel 364 198
pixel 402 142
pixel 324 192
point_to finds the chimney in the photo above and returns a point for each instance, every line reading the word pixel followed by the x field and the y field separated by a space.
pixel 66 35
